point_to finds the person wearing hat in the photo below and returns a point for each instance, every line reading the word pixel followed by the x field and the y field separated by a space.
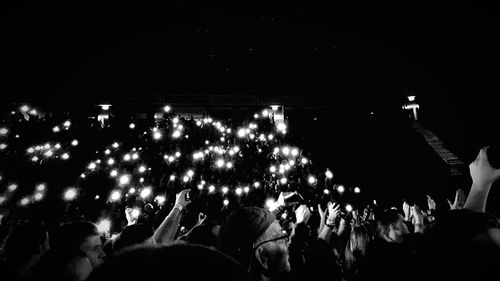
pixel 254 238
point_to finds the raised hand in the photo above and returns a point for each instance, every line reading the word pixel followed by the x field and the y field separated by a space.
pixel 431 204
pixel 130 218
pixel 302 214
pixel 333 211
pixel 481 172
pixel 416 213
pixel 322 213
pixel 459 200
pixel 406 210
pixel 181 199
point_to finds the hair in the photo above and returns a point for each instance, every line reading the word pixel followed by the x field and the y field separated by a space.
pixel 132 235
pixel 192 262
pixel 70 236
pixel 356 247
pixel 388 216
pixel 23 242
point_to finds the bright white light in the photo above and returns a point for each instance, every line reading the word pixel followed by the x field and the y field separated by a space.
pixel 131 126
pixel 3 146
pixel 265 113
pixel 283 216
pixel 176 134
pixel 41 187
pixel 107 151
pixel 202 182
pixel 200 186
pixel 287 167
pixel 33 112
pixel 127 157
pixel 262 137
pixel 24 108
pixel 12 187
pixel 104 226
pixel 57 146
pixel 157 135
pixel 411 98
pixel 225 190
pixel 357 190
pixel 271 204
pixel 3 131
pixel 292 162
pixel 256 116
pixel 124 180
pixel 211 188
pixel 160 199
pixel 145 192
pixel 2 199
pixel 111 161
pixel 30 150
pixel 252 136
pixel 295 152
pixel 275 107
pixel 270 137
pixel 219 163
pixel 256 184
pixel 285 150
pixel 25 201
pixel 141 180
pixel 272 169
pixel 171 159
pixel 225 202
pixel 135 213
pixel 131 190
pixel 238 191
pixel 38 196
pixel 46 146
pixel 92 166
pixel 241 133
pixel 82 176
pixel 340 188
pixel 70 194
pixel 198 123
pixel 276 150
pixel 172 177
pixel 175 120
pixel 142 169
pixel 303 160
pixel 348 207
pixel 115 145
pixel 105 106
pixel 281 126
pixel 65 156
pixel 222 139
pixel 34 158
pixel 246 189
pixel 56 129
pixel 311 180
pixel 113 173
pixel 190 173
pixel 67 123
pixel 185 179
pixel 167 108
pixel 115 196
pixel 228 130
pixel 329 174
pixel 229 165
pixel 48 153
pixel 177 154
pixel 326 191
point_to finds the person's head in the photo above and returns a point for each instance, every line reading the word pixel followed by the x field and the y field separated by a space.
pixel 253 236
pixel 160 262
pixel 81 236
pixel 133 235
pixel 392 225
pixel 359 238
pixel 25 243
pixel 62 265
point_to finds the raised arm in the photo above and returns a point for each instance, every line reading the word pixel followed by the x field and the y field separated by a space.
pixel 483 176
pixel 165 233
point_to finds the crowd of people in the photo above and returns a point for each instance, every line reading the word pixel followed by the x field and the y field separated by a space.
pixel 219 221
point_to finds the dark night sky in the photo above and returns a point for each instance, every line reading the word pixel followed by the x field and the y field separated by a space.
pixel 362 57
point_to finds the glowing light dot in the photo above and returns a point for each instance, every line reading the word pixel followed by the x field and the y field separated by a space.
pixel 157 135
pixel 222 139
pixel 56 129
pixel 283 180
pixel 225 202
pixel 70 194
pixel 357 190
pixel 111 161
pixel 34 158
pixel 311 180
pixel 82 176
pixel 115 145
pixel 172 177
pixel 271 204
pixel 167 108
pixel 135 156
pixel 131 126
pixel 211 188
pixel 190 173
pixel 256 184
pixel 30 150
pixel 142 169
pixel 326 191
pixel 65 156
pixel 38 196
pixel 329 174
pixel 97 197
pixel 25 201
pixel 198 123
pixel 185 179
pixel 270 137
pixel 200 186
pixel 265 113
pixel 107 151
pixel 115 196
pixel 283 216
pixel 340 188
pixel 125 179
pixel 246 189
pixel 241 133
pixel 67 123
pixel 262 137
pixel 229 165
pixel 3 131
pixel 220 163
pixel 175 120
pixel 48 153
pixel 285 150
pixel 281 126
pixel 146 192
pixel 103 226
pixel 256 116
pixel 131 190
pixel 127 157
pixel 272 169
pixel 177 154
pixel 2 199
pixel 92 166
pixel 225 190
pixel 303 161
pixel 176 134
pixel 295 152
pixel 141 180
pixel 113 173
pixel 40 187
pixel 348 207
pixel 228 131
pixel 160 199
pixel 3 146
pixel 24 108
pixel 105 106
